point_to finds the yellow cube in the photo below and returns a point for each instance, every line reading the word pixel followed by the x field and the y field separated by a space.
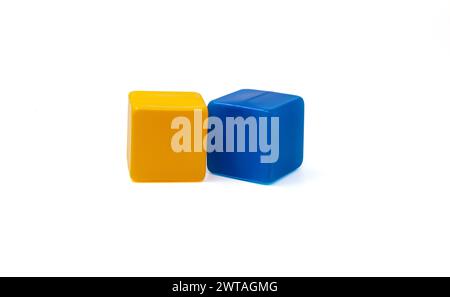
pixel 165 136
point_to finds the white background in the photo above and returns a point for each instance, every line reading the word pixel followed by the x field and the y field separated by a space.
pixel 372 196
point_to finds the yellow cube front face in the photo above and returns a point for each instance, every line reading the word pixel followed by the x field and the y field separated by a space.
pixel 154 140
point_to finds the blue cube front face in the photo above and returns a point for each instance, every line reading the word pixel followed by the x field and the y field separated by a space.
pixel 262 135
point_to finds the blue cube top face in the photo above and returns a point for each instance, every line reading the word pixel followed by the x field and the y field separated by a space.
pixel 254 99
pixel 262 138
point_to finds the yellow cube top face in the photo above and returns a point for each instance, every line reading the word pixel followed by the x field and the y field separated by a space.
pixel 151 131
pixel 166 100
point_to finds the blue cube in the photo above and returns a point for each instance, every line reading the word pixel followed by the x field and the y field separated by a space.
pixel 255 135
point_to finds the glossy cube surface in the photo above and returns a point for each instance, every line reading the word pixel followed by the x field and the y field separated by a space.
pixel 151 157
pixel 283 117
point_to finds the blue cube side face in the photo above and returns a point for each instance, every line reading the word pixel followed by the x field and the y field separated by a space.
pixel 245 164
pixel 279 122
pixel 291 138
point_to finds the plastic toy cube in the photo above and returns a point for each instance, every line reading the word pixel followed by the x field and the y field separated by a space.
pixel 152 126
pixel 262 137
